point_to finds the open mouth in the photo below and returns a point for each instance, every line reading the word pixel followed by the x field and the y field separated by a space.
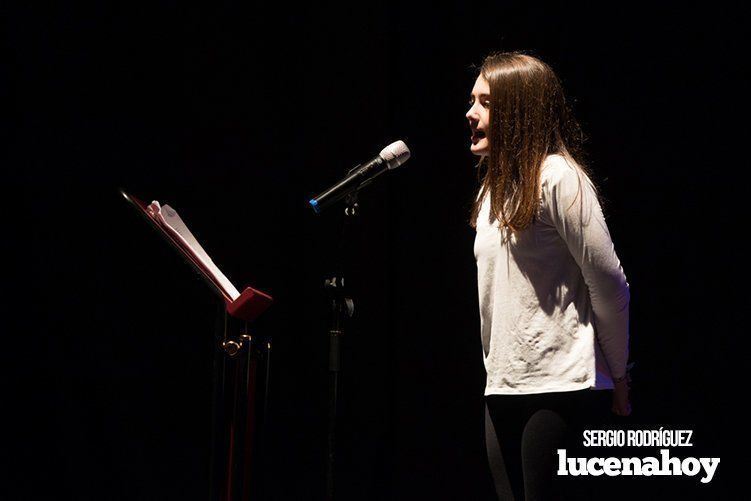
pixel 477 134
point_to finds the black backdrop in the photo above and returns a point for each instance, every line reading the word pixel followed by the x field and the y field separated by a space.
pixel 235 114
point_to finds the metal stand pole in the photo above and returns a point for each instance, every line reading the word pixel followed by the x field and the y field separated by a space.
pixel 342 307
pixel 236 436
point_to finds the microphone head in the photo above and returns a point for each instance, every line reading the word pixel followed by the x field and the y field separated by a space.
pixel 395 154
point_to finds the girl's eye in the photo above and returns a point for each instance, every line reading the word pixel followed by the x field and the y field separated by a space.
pixel 486 104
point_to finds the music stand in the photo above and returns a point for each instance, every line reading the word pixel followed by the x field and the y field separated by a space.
pixel 241 379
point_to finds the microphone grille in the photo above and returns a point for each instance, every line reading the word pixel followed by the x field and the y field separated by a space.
pixel 395 154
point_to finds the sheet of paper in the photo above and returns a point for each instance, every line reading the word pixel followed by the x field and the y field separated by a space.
pixel 171 221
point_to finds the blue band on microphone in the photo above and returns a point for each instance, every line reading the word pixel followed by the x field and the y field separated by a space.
pixel 314 203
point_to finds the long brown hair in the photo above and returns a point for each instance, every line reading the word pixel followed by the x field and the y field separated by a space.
pixel 529 120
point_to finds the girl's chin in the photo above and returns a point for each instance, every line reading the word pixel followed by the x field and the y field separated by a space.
pixel 479 148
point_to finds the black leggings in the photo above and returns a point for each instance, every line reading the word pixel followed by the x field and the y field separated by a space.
pixel 522 433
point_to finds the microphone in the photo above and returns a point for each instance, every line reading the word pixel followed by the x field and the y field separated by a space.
pixel 391 157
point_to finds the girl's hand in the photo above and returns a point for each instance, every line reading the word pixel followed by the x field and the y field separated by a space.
pixel 621 404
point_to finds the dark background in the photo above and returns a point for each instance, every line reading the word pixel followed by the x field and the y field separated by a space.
pixel 235 114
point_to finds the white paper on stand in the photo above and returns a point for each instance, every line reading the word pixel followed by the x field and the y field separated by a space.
pixel 169 219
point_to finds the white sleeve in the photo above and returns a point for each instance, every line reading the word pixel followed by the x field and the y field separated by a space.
pixel 577 215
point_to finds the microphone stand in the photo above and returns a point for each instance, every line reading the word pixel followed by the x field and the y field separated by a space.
pixel 342 307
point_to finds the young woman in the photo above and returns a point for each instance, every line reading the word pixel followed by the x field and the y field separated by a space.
pixel 553 296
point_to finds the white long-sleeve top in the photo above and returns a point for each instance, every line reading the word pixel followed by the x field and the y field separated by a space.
pixel 553 297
